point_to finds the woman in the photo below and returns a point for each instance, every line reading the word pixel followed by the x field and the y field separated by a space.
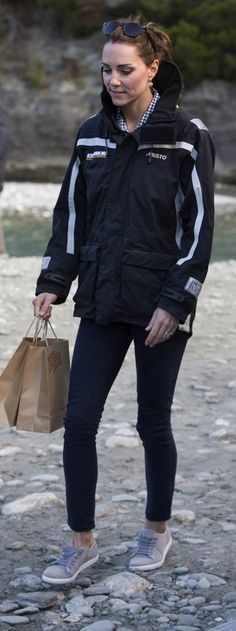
pixel 134 219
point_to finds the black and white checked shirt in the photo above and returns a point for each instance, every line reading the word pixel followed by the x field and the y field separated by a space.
pixel 121 121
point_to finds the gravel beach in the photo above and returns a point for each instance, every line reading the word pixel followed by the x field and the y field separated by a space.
pixel 196 588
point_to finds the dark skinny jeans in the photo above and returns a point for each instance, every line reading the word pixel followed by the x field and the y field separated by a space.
pixel 98 356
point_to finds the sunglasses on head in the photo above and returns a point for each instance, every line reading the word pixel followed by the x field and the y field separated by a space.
pixel 131 29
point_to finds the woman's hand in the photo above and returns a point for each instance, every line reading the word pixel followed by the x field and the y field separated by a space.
pixel 42 305
pixel 161 327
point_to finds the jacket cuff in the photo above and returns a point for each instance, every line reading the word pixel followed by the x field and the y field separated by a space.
pixel 177 309
pixel 52 289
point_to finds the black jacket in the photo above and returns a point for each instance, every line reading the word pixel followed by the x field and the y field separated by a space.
pixel 134 217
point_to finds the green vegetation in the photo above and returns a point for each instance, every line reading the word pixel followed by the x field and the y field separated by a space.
pixel 203 33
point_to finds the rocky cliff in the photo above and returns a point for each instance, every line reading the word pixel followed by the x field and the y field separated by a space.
pixel 49 86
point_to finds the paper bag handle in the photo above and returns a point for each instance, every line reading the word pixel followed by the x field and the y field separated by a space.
pixel 41 325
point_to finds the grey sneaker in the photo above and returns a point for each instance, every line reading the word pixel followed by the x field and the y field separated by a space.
pixel 151 550
pixel 69 564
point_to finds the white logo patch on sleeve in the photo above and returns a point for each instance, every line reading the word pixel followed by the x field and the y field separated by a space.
pixel 45 262
pixel 193 286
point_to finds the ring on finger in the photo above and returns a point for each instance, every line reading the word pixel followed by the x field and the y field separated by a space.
pixel 168 333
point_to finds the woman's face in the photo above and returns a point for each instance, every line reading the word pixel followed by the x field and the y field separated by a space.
pixel 125 74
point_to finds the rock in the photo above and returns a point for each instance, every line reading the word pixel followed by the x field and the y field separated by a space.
pixel 228 626
pixel 45 477
pixel 211 397
pixel 15 545
pixel 221 434
pixel 200 387
pixel 126 431
pixel 14 620
pixel 230 614
pixel 30 502
pixel 184 515
pixel 231 385
pixel 10 451
pixel 117 604
pixel 96 590
pixel 181 627
pixel 79 605
pixel 104 509
pixel 100 625
pixel 211 607
pixel 124 584
pixel 134 609
pixel 215 581
pixel 189 609
pixel 116 550
pixel 83 581
pixel 202 580
pixel 42 600
pixel 122 441
pixel 124 498
pixel 8 605
pixel 55 449
pixel 179 479
pixel 30 609
pixel 95 600
pixel 230 597
pixel 117 406
pixel 186 619
pixel 228 526
pixel 13 483
pixel 74 618
pixel 52 618
pixel 197 601
pixel 194 541
pixel 23 570
pixel 222 421
pixel 181 570
pixel 30 581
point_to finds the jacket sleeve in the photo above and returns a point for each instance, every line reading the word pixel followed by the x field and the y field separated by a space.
pixel 60 263
pixel 195 222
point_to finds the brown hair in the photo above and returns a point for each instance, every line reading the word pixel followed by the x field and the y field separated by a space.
pixel 161 48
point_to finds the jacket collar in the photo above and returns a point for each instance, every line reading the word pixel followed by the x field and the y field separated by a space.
pixel 168 82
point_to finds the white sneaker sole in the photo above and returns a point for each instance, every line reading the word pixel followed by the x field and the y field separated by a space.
pixel 153 566
pixel 66 581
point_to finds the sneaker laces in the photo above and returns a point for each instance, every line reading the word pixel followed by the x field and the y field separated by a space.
pixel 145 545
pixel 68 555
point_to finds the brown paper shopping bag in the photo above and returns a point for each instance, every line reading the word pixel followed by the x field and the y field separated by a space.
pixel 10 385
pixel 45 385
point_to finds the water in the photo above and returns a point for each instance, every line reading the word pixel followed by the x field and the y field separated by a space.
pixel 224 242
pixel 28 236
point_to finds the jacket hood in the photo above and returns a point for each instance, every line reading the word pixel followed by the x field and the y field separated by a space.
pixel 168 82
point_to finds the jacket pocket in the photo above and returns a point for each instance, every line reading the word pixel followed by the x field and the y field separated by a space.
pixel 84 296
pixel 143 275
pixel 151 260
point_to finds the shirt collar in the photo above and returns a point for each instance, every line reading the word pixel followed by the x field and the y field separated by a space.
pixel 121 121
